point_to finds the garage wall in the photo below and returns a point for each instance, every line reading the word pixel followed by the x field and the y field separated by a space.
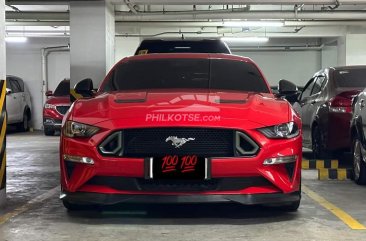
pixel 329 56
pixel 295 66
pixel 24 60
pixel 356 49
pixel 125 47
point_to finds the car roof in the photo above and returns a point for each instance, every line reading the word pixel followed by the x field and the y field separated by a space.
pixel 188 56
pixel 349 67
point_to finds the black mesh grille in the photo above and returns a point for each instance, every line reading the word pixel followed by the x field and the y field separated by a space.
pixel 215 184
pixel 153 142
pixel 62 109
pixel 208 142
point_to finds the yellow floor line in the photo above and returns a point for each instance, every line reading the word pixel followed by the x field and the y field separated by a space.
pixel 4 218
pixel 342 215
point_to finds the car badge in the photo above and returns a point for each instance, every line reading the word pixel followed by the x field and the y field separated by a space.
pixel 178 142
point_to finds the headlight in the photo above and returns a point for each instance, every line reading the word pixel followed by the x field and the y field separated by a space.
pixel 282 131
pixel 49 106
pixel 75 129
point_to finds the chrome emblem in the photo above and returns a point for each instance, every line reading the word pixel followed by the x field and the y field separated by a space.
pixel 178 142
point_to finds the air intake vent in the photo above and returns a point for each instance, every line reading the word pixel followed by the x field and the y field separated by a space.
pixel 245 145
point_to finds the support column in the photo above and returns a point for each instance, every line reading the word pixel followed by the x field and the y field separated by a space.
pixel 356 49
pixel 2 105
pixel 92 31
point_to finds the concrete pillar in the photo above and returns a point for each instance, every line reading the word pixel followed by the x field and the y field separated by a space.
pixel 92 31
pixel 2 77
pixel 356 49
pixel 352 49
pixel 126 47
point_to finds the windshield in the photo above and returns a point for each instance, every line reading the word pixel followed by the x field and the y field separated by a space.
pixel 217 74
pixel 63 88
pixel 350 78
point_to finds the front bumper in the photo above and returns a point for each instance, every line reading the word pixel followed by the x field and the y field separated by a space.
pixel 248 199
pixel 52 123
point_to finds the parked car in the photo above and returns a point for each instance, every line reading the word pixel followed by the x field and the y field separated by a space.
pixel 325 108
pixel 18 103
pixel 206 127
pixel 55 108
pixel 358 135
pixel 173 45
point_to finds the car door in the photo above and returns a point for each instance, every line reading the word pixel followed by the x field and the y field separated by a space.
pixel 315 100
pixel 303 109
pixel 22 96
pixel 16 96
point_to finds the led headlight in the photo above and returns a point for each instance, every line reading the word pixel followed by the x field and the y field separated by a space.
pixel 49 106
pixel 75 129
pixel 282 131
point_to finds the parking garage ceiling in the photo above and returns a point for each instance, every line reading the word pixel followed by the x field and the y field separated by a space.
pixel 203 18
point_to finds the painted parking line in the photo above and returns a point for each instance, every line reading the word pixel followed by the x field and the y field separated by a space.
pixel 39 199
pixel 342 215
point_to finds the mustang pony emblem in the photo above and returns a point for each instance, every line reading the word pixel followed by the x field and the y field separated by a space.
pixel 178 142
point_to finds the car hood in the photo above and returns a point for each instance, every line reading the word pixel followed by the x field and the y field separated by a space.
pixel 151 108
pixel 59 100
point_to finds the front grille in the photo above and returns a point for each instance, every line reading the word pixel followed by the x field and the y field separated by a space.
pixel 154 142
pixel 62 109
pixel 147 185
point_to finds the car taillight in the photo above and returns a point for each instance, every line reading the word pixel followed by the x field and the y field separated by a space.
pixel 340 104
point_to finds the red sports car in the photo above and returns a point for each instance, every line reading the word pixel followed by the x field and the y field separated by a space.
pixel 55 107
pixel 181 128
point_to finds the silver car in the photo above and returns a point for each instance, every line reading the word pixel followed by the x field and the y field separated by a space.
pixel 18 103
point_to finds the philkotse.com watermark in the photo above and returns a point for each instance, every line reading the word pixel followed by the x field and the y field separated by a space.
pixel 176 117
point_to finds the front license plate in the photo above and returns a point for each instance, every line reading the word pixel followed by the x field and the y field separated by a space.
pixel 178 167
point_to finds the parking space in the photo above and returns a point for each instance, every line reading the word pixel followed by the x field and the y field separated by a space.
pixel 34 209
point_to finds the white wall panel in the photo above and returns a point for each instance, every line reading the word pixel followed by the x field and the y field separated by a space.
pixel 295 66
pixel 24 60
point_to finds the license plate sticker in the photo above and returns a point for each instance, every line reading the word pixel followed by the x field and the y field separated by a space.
pixel 179 167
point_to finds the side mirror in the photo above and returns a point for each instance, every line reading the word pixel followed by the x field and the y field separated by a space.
pixel 85 88
pixel 288 91
pixel 49 93
pixel 8 91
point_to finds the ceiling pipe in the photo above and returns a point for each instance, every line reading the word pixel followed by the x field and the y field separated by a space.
pixel 193 2
pixel 184 24
pixel 277 48
pixel 253 15
pixel 199 15
pixel 230 2
pixel 44 53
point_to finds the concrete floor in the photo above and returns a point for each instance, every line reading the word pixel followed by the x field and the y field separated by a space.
pixel 33 211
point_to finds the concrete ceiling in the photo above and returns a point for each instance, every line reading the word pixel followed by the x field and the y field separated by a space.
pixel 203 18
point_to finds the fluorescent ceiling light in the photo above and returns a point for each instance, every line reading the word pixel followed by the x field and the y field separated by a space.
pixel 253 24
pixel 16 39
pixel 245 39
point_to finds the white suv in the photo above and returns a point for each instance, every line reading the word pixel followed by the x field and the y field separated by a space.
pixel 18 103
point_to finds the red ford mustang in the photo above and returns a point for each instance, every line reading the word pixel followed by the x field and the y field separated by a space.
pixel 181 128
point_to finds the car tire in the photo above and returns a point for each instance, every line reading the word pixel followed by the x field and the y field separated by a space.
pixel 359 166
pixel 24 125
pixel 317 141
pixel 49 131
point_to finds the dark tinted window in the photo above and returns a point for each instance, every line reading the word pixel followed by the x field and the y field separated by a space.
pixel 161 46
pixel 186 73
pixel 350 78
pixel 20 83
pixel 307 90
pixel 15 87
pixel 318 85
pixel 63 88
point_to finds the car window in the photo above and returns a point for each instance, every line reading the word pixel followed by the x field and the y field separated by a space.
pixel 20 83
pixel 15 86
pixel 318 85
pixel 186 73
pixel 63 88
pixel 180 46
pixel 350 78
pixel 307 90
